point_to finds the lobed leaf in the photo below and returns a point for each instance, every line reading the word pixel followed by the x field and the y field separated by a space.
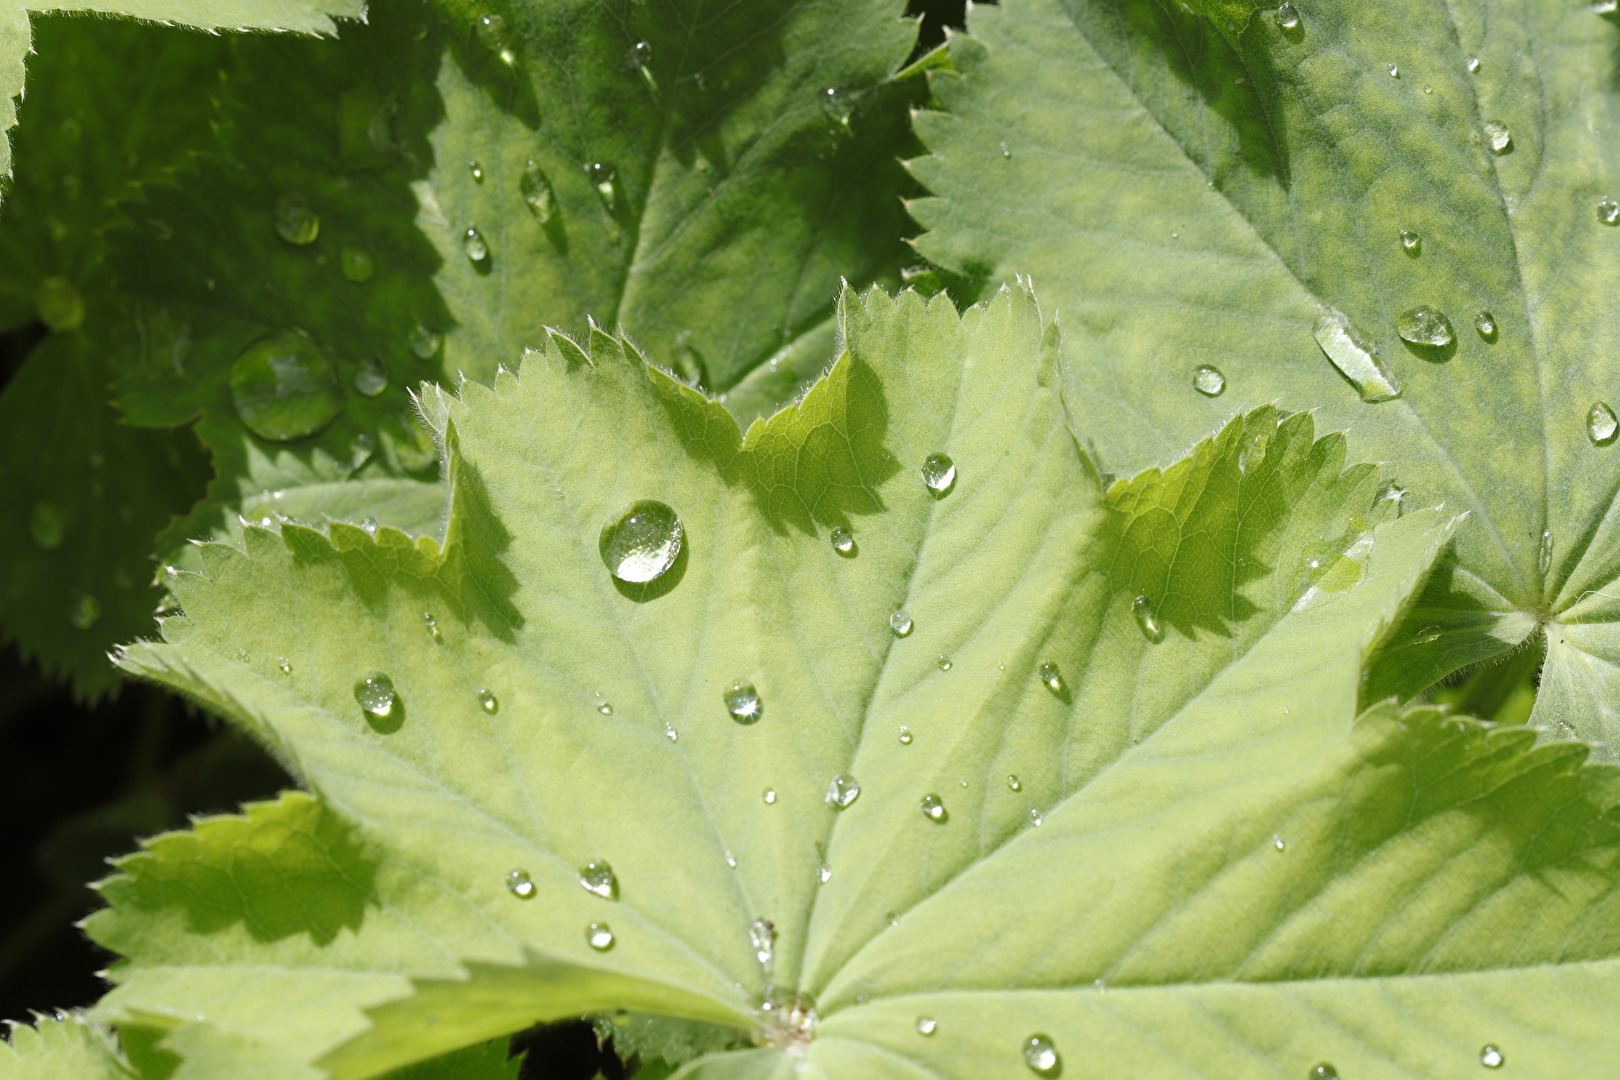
pixel 62 1045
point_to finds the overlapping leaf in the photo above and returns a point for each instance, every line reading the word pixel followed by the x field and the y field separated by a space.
pixel 61 1046
pixel 1192 198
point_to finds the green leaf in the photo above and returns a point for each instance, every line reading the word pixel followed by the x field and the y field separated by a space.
pixel 61 1047
pixel 1190 200
pixel 1198 820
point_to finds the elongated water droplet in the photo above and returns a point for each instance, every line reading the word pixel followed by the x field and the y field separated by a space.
pixel 1411 241
pixel 900 622
pixel 376 696
pixel 535 187
pixel 933 808
pixel 598 878
pixel 743 703
pixel 943 661
pixel 1356 358
pixel 432 625
pixel 599 936
pixel 472 243
pixel 927 1025
pixel 520 884
pixel 1498 137
pixel 1485 323
pixel 1278 842
pixel 372 378
pixel 939 474
pixel 641 53
pixel 1041 1056
pixel 1490 1057
pixel 476 170
pixel 84 612
pixel 1052 677
pixel 1473 65
pixel 357 265
pixel 843 791
pixel 296 223
pixel 905 736
pixel 762 933
pixel 1013 783
pixel 1600 423
pixel 284 387
pixel 1147 619
pixel 1426 635
pixel 1394 71
pixel 605 179
pixel 489 702
pixel 47 525
pixel 1424 326
pixel 1544 554
pixel 641 542
pixel 1608 211
pixel 1209 381
pixel 425 343
pixel 843 541
pixel 1287 17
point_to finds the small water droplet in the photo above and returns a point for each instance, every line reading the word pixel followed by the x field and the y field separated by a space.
pixel 1355 357
pixel 1013 783
pixel 284 665
pixel 1426 635
pixel 927 1025
pixel 47 524
pixel 843 541
pixel 641 542
pixel 641 53
pixel 770 796
pixel 743 702
pixel 476 170
pixel 432 625
pixel 843 791
pixel 605 179
pixel 1498 136
pixel 943 661
pixel 939 474
pixel 1544 554
pixel 85 611
pixel 520 884
pixel 472 243
pixel 1208 381
pixel 1278 842
pixel 837 104
pixel 1005 152
pixel 1601 423
pixel 670 733
pixel 598 878
pixel 762 933
pixel 605 708
pixel 1411 241
pixel 1052 677
pixel 296 223
pixel 1485 323
pixel 731 860
pixel 1473 65
pixel 599 936
pixel 1035 817
pixel 376 696
pixel 1608 211
pixel 284 387
pixel 1041 1056
pixel 824 873
pixel 1394 71
pixel 1147 619
pixel 1424 326
pixel 357 265
pixel 489 702
pixel 371 379
pixel 491 30
pixel 1490 1057
pixel 1287 17
pixel 425 343
pixel 535 187
pixel 933 808
pixel 900 622
pixel 905 736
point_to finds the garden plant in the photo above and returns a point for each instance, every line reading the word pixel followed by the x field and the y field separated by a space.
pixel 1079 546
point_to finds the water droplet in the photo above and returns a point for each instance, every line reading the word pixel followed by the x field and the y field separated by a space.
pixel 1426 635
pixel 1473 65
pixel 842 791
pixel 284 387
pixel 284 665
pixel 900 622
pixel 472 242
pixel 1601 424
pixel 939 474
pixel 770 796
pixel 641 53
pixel 598 936
pixel 1287 17
pixel 670 733
pixel 520 884
pixel 605 179
pixel 1013 783
pixel 47 525
pixel 1035 818
pixel 357 265
pixel 1608 211
pixel 1490 1057
pixel 1545 553
pixel 1052 677
pixel 425 342
pixel 927 1025
pixel 1147 619
pixel 762 933
pixel 371 379
pixel 1355 357
pixel 1424 326
pixel 535 187
pixel 1209 381
pixel 843 541
pixel 933 808
pixel 1485 323
pixel 641 542
pixel 731 860
pixel 1394 71
pixel 1278 842
pixel 491 30
pixel 376 696
pixel 1005 152
pixel 1324 1071
pixel 943 661
pixel 824 873
pixel 489 702
pixel 1411 241
pixel 1041 1056
pixel 1498 136
pixel 837 105
pixel 476 170
pixel 296 223
pixel 598 878
pixel 85 611
pixel 743 703
pixel 604 707
pixel 59 304
pixel 905 736
pixel 432 625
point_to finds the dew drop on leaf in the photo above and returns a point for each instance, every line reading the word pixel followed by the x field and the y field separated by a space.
pixel 641 541
pixel 1035 817
pixel 1600 423
pixel 491 30
pixel 1287 17
pixel 1324 1071
pixel 473 245
pixel 488 702
pixel 1355 357
pixel 599 936
pixel 47 525
pixel 1608 211
pixel 1426 635
pixel 85 611
pixel 769 796
pixel 1490 1057
pixel 1485 323
pixel 376 696
pixel 1473 65
pixel 927 1025
pixel 641 53
pixel 535 187
pixel 284 387
pixel 1411 241
pixel 1278 842
pixel 296 223
pixel 598 878
pixel 1147 619
pixel 476 170
pixel 1394 71
pixel 670 733
pixel 843 791
pixel 1013 783
pixel 933 808
pixel 743 702
pixel 762 933
pixel 1052 677
pixel 900 622
pixel 604 707
pixel 1498 136
pixel 520 885
pixel 943 661
pixel 1424 326
pixel 939 474
pixel 837 105
pixel 1041 1056
pixel 905 736
pixel 1209 381
pixel 425 342
pixel 824 873
pixel 357 265
pixel 843 541
pixel 1545 553
pixel 605 179
pixel 432 625
pixel 1005 151
pixel 371 379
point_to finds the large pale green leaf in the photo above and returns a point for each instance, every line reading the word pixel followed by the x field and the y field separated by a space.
pixel 1184 808
pixel 1187 197
pixel 61 1047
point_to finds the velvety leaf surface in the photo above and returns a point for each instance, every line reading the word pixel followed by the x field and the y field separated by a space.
pixel 1188 197
pixel 64 1047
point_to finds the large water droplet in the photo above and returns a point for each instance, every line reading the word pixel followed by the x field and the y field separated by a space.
pixel 927 1025
pixel 843 541
pixel 376 696
pixel 599 936
pixel 1424 326
pixel 535 187
pixel 762 933
pixel 425 343
pixel 933 808
pixel 900 622
pixel 605 179
pixel 598 878
pixel 47 525
pixel 1485 323
pixel 1600 423
pixel 296 223
pixel 641 542
pixel 1608 211
pixel 59 304
pixel 1544 553
pixel 1147 619
pixel 372 378
pixel 1041 1056
pixel 939 474
pixel 1498 136
pixel 1052 677
pixel 489 702
pixel 1209 381
pixel 1287 17
pixel 473 244
pixel 520 884
pixel 842 791
pixel 743 703
pixel 1490 1057
pixel 284 387
pixel 1356 358
pixel 1411 242
pixel 84 612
